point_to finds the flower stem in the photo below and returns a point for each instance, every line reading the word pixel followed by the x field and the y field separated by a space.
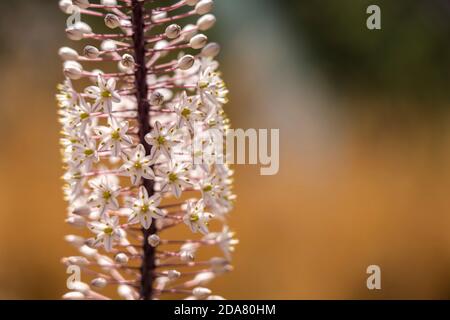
pixel 148 261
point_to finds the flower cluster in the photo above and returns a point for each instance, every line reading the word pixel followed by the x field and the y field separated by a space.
pixel 137 109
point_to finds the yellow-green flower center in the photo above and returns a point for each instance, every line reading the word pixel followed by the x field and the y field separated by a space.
pixel 144 208
pixel 107 195
pixel 77 176
pixel 173 177
pixel 84 116
pixel 88 152
pixel 115 135
pixel 106 94
pixel 207 188
pixel 194 217
pixel 108 230
pixel 186 112
pixel 161 140
pixel 137 165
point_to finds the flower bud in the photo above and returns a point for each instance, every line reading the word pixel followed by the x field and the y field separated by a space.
pixel 186 256
pixel 83 211
pixel 74 33
pixel 204 277
pixel 66 6
pixel 186 62
pixel 173 274
pixel 154 240
pixel 211 50
pixel 173 31
pixel 78 30
pixel 201 279
pixel 156 98
pixel 91 52
pixel 108 45
pixel 198 41
pixel 159 16
pixel 74 240
pixel 76 260
pixel 206 22
pixel 204 6
pixel 112 21
pixel 80 287
pixel 218 262
pixel 109 2
pixel 125 292
pixel 121 258
pixel 88 251
pixel 90 242
pixel 215 298
pixel 161 45
pixel 105 262
pixel 67 53
pixel 76 221
pixel 201 293
pixel 83 4
pixel 128 60
pixel 73 295
pixel 99 282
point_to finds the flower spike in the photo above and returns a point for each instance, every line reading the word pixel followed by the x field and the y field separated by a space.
pixel 133 105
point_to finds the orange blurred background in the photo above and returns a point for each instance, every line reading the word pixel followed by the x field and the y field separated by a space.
pixel 365 167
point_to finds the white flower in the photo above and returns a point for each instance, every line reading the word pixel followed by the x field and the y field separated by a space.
pixel 196 217
pixel 67 96
pixel 186 110
pixel 225 239
pixel 104 93
pixel 114 137
pixel 212 86
pixel 217 193
pixel 105 194
pixel 137 165
pixel 161 140
pixel 85 153
pixel 81 115
pixel 188 251
pixel 211 189
pixel 112 21
pixel 74 179
pixel 174 178
pixel 70 137
pixel 145 209
pixel 107 232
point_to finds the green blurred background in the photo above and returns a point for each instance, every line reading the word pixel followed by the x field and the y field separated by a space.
pixel 365 135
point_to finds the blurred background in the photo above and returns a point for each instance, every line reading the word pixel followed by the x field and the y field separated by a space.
pixel 365 148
